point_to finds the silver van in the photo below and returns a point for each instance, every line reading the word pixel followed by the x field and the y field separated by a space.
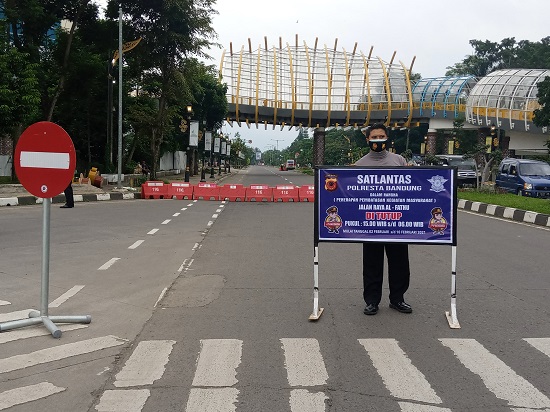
pixel 524 177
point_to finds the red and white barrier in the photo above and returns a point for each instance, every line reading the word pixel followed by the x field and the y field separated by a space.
pixel 233 193
pixel 154 190
pixel 180 190
pixel 259 193
pixel 206 191
pixel 286 193
pixel 307 193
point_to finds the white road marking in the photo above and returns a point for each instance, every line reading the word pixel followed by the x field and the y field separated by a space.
pixel 129 400
pixel 160 297
pixel 176 214
pixel 183 208
pixel 210 223
pixel 418 407
pixel 25 333
pixel 166 222
pixel 304 362
pixel 146 364
pixel 152 231
pixel 4 302
pixel 223 202
pixel 219 400
pixel 400 376
pixel 64 297
pixel 185 265
pixel 301 400
pixel 542 344
pixel 215 216
pixel 19 396
pixel 197 246
pixel 217 363
pixel 16 315
pixel 58 352
pixel 218 210
pixel 498 377
pixel 136 244
pixel 190 204
pixel 105 369
pixel 108 264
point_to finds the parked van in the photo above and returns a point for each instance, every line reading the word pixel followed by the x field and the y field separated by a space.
pixel 466 168
pixel 290 164
pixel 524 177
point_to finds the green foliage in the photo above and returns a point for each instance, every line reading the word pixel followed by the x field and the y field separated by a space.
pixel 489 56
pixel 542 116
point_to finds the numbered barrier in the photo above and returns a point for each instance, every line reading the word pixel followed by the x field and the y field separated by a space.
pixel 307 193
pixel 259 193
pixel 206 191
pixel 288 193
pixel 233 193
pixel 154 190
pixel 180 190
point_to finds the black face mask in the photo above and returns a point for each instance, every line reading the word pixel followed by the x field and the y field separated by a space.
pixel 377 145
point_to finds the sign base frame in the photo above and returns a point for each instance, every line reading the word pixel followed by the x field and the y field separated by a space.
pixel 37 317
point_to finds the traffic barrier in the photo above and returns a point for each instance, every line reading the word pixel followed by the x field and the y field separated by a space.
pixel 180 190
pixel 286 193
pixel 206 191
pixel 233 193
pixel 262 192
pixel 307 193
pixel 154 190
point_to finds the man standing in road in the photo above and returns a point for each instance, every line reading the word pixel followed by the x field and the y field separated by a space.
pixel 373 253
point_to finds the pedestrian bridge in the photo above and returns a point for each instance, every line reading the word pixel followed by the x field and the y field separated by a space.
pixel 303 85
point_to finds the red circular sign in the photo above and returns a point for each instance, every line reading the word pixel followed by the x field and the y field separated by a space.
pixel 45 159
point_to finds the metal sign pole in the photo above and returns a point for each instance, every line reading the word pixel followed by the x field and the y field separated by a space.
pixel 452 317
pixel 36 317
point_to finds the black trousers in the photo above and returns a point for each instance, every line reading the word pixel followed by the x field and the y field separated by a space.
pixel 69 198
pixel 373 271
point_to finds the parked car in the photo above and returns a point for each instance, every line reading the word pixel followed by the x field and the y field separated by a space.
pixel 524 177
pixel 466 169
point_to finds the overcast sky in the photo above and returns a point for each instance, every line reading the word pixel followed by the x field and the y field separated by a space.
pixel 437 32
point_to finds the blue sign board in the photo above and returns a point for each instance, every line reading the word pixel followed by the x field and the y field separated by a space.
pixel 386 204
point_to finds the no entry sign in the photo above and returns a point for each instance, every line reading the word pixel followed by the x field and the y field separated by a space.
pixel 45 159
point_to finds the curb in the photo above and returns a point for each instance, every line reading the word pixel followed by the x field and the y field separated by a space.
pixel 87 197
pixel 516 215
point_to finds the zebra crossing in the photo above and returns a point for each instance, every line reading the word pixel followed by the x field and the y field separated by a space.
pixel 215 385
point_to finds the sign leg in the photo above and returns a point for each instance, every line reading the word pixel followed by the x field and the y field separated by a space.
pixel 451 316
pixel 317 312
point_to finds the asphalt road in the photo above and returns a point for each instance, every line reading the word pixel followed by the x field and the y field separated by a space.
pixel 210 312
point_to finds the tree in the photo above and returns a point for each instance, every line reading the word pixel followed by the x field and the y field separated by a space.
pixel 171 31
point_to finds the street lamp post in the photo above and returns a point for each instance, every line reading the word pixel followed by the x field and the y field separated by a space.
pixel 189 114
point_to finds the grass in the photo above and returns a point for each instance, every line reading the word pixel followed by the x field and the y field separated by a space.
pixel 506 200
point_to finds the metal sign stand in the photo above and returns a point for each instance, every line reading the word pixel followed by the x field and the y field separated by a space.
pixel 451 316
pixel 36 317
pixel 317 312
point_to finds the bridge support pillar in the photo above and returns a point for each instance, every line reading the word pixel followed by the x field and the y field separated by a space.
pixel 431 139
pixel 319 146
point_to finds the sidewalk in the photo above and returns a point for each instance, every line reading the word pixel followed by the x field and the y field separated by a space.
pixel 16 194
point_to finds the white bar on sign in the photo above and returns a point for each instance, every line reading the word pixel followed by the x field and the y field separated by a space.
pixel 146 364
pixel 301 400
pixel 26 394
pixel 304 363
pixel 58 352
pixel 498 377
pixel 400 376
pixel 123 400
pixel 218 361
pixel 218 399
pixel 45 160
